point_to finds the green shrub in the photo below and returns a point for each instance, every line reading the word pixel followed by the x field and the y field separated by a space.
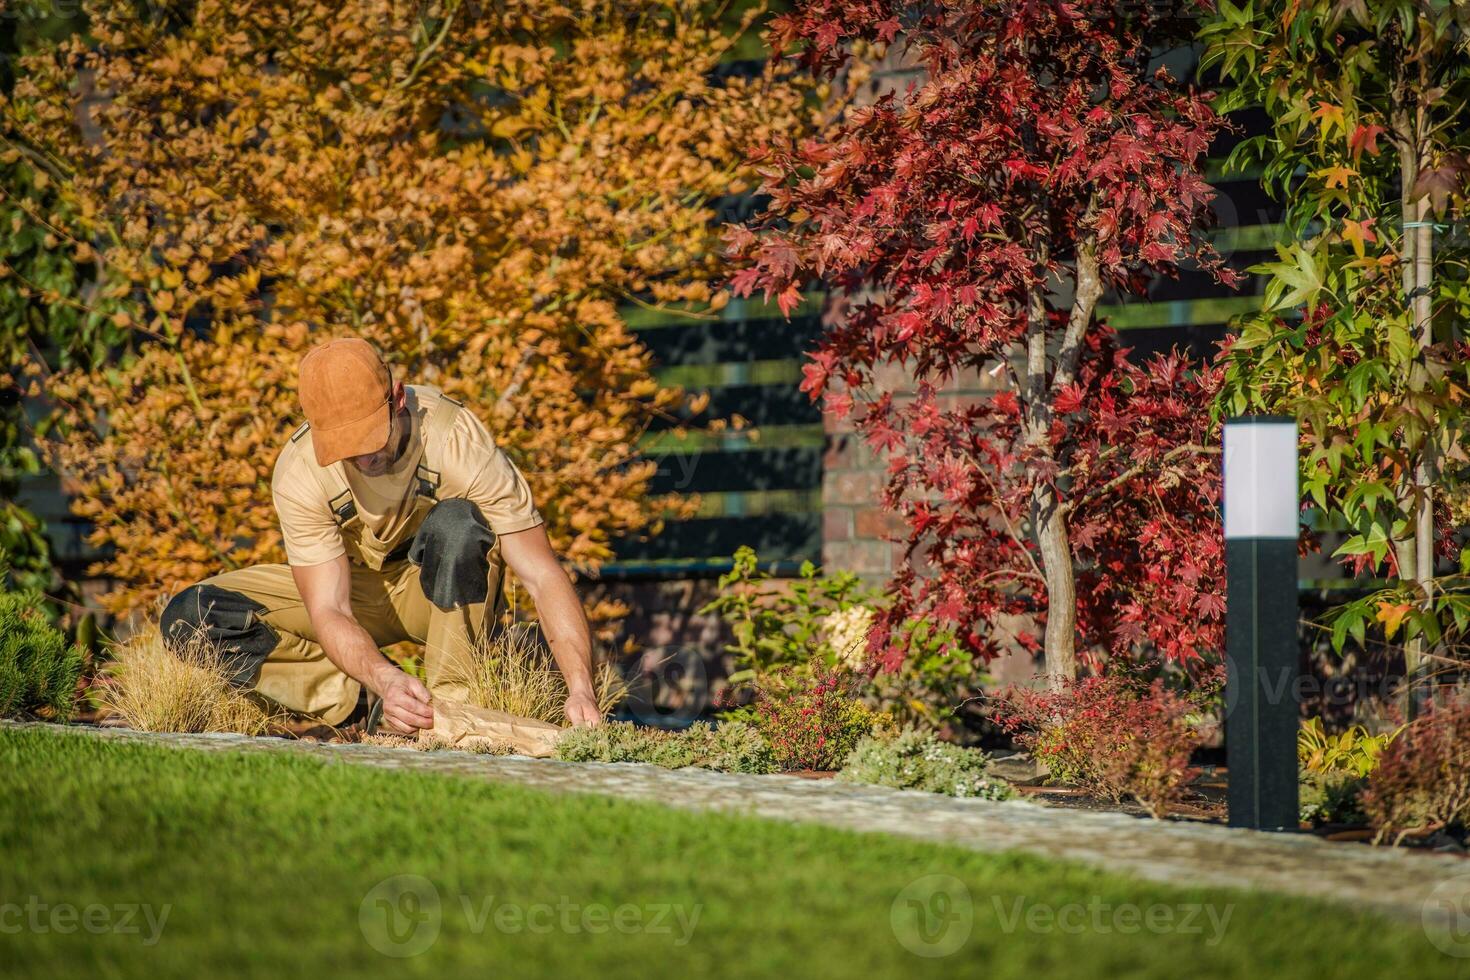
pixel 38 668
pixel 1332 799
pixel 780 624
pixel 1354 752
pixel 732 747
pixel 918 760
pixel 613 741
pixel 784 629
pixel 1335 770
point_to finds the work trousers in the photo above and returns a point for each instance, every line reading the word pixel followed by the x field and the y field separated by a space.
pixel 442 592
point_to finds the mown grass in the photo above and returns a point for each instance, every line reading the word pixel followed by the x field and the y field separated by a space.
pixel 266 860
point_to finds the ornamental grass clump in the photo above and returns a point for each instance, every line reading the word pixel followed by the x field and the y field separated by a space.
pixel 186 688
pixel 38 668
pixel 513 671
pixel 918 760
pixel 1422 781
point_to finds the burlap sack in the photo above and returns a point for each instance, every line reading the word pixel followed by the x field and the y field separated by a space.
pixel 466 726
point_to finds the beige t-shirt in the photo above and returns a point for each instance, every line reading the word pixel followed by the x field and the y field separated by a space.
pixel 470 466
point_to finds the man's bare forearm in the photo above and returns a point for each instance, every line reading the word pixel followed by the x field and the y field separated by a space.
pixel 528 554
pixel 352 649
pixel 565 626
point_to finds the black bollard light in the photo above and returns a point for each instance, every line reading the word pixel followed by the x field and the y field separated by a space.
pixel 1262 516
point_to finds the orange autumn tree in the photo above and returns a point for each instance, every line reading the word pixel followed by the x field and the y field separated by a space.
pixel 476 189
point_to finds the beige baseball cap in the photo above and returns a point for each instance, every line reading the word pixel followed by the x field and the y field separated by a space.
pixel 345 389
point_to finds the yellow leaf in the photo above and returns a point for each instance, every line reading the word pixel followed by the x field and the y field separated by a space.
pixel 1391 615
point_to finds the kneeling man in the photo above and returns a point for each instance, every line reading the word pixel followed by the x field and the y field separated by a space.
pixel 399 515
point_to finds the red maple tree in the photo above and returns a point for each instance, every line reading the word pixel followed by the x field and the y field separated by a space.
pixel 970 224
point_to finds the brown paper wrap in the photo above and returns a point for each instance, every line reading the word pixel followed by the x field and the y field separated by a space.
pixel 466 726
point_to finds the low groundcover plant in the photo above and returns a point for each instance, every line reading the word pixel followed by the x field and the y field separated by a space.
pixel 733 746
pixel 918 760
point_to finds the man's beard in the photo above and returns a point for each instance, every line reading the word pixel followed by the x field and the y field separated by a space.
pixel 381 462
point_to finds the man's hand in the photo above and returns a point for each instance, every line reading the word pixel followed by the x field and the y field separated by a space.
pixel 406 706
pixel 581 709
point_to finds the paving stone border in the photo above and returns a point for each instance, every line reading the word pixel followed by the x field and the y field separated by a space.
pixel 1416 885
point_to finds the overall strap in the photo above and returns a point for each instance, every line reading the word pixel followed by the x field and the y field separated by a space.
pixel 333 485
pixel 437 427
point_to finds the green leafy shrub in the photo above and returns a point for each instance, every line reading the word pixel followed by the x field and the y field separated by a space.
pixel 1354 752
pixel 731 747
pixel 1423 776
pixel 38 668
pixel 1335 770
pixel 781 624
pixel 783 628
pixel 1332 799
pixel 918 760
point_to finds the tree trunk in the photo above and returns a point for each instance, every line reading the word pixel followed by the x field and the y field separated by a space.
pixel 1424 470
pixel 1061 589
pixel 1048 508
pixel 1415 551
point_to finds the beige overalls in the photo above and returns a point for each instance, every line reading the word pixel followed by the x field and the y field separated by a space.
pixel 258 611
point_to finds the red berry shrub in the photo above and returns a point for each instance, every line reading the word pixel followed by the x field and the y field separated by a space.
pixel 1423 776
pixel 1114 735
pixel 813 721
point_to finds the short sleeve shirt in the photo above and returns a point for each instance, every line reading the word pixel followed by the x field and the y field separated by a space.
pixel 470 467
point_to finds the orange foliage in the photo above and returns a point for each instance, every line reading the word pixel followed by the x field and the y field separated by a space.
pixel 474 190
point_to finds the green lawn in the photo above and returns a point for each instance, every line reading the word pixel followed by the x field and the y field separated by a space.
pixel 271 864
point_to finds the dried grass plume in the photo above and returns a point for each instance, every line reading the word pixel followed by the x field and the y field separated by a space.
pixel 155 689
pixel 514 672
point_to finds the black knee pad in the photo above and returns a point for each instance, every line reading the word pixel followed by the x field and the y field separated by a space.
pixel 227 619
pixel 452 550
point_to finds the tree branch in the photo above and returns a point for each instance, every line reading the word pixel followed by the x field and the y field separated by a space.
pixel 1136 469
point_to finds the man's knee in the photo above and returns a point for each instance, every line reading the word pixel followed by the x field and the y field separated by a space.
pixel 452 550
pixel 223 618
